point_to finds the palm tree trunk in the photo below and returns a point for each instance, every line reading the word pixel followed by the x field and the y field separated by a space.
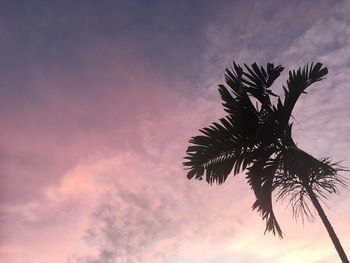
pixel 328 225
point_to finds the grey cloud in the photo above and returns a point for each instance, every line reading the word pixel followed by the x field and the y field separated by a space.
pixel 327 39
pixel 252 31
pixel 127 229
pixel 128 223
pixel 322 117
pixel 149 216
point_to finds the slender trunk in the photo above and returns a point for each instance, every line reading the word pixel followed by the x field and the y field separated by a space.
pixel 328 225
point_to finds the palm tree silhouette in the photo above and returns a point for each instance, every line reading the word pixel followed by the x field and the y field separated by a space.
pixel 256 137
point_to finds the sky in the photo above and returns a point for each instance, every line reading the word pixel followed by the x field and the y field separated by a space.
pixel 98 102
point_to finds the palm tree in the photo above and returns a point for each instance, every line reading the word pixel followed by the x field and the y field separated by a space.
pixel 256 137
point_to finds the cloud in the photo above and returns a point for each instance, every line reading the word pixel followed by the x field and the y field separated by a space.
pixel 321 117
pixel 318 132
pixel 68 117
pixel 65 206
pixel 105 164
pixel 153 209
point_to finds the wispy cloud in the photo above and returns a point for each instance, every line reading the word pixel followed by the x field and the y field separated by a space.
pixel 91 157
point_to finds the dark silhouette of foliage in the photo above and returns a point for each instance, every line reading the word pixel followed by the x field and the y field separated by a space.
pixel 256 137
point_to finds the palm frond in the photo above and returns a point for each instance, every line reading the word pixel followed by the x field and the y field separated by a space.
pixel 235 105
pixel 299 80
pixel 233 78
pixel 260 177
pixel 258 81
pixel 221 148
pixel 299 170
pixel 289 185
pixel 236 96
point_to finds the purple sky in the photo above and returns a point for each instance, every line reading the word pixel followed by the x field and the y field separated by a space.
pixel 98 101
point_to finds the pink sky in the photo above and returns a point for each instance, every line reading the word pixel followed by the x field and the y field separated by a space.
pixel 99 101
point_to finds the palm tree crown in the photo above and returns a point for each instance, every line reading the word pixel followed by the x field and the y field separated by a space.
pixel 256 137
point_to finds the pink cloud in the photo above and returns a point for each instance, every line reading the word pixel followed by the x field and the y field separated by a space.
pixel 96 173
pixel 70 120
